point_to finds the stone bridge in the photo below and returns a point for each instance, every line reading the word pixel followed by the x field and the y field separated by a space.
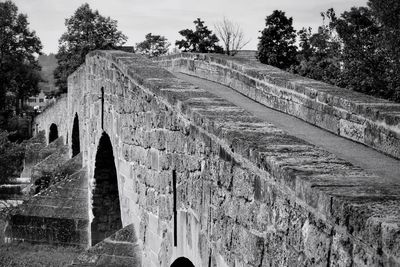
pixel 195 176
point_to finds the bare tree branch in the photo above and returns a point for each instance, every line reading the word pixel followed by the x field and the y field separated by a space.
pixel 231 35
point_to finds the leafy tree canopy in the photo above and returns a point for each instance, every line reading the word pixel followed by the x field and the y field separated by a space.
pixel 153 46
pixel 277 42
pixel 11 157
pixel 87 30
pixel 387 15
pixel 362 62
pixel 319 54
pixel 19 46
pixel 359 50
pixel 202 40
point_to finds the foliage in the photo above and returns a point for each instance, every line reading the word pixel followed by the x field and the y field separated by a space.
pixel 19 69
pixel 153 46
pixel 42 183
pixel 277 42
pixel 387 17
pixel 319 54
pixel 202 40
pixel 46 180
pixel 87 30
pixel 363 64
pixel 231 35
pixel 11 157
pixel 359 50
pixel 18 127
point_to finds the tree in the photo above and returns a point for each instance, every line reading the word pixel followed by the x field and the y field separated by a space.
pixel 19 69
pixel 11 157
pixel 153 46
pixel 231 35
pixel 202 40
pixel 319 54
pixel 363 59
pixel 387 15
pixel 86 31
pixel 276 46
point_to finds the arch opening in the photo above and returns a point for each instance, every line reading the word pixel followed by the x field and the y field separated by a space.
pixel 106 207
pixel 182 262
pixel 76 146
pixel 53 135
pixel 102 107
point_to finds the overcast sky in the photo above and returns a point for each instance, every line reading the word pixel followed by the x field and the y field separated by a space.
pixel 136 18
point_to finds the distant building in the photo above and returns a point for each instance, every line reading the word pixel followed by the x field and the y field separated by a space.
pixel 37 102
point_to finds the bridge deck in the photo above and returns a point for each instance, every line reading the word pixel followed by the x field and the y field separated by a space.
pixel 358 154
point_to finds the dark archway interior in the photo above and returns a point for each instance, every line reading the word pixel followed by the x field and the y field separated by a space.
pixel 106 209
pixel 182 262
pixel 76 146
pixel 53 135
pixel 102 107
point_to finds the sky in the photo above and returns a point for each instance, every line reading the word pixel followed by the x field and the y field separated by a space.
pixel 136 18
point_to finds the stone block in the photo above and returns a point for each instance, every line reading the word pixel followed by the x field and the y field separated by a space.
pixel 248 246
pixel 352 130
pixel 341 251
pixel 316 243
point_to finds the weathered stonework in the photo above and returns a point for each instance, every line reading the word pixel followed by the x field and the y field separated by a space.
pixel 32 156
pixel 55 114
pixel 57 215
pixel 120 249
pixel 246 193
pixel 365 119
pixel 56 212
pixel 52 162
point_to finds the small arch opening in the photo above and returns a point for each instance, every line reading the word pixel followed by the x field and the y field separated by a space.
pixel 182 262
pixel 102 107
pixel 76 146
pixel 53 135
pixel 106 207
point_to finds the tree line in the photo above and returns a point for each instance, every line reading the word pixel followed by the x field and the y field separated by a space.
pixel 358 50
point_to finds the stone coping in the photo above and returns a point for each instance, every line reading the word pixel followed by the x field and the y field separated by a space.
pixel 372 121
pixel 347 197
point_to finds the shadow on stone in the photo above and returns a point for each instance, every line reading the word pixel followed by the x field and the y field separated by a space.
pixel 182 262
pixel 106 208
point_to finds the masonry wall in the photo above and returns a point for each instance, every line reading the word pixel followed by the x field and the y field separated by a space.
pixel 55 114
pixel 365 119
pixel 246 193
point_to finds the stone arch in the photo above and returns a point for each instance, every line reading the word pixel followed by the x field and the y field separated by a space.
pixel 76 147
pixel 106 207
pixel 182 262
pixel 53 134
pixel 102 107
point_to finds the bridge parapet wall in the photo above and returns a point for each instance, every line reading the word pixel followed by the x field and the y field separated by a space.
pixel 244 192
pixel 247 192
pixel 359 117
pixel 54 114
